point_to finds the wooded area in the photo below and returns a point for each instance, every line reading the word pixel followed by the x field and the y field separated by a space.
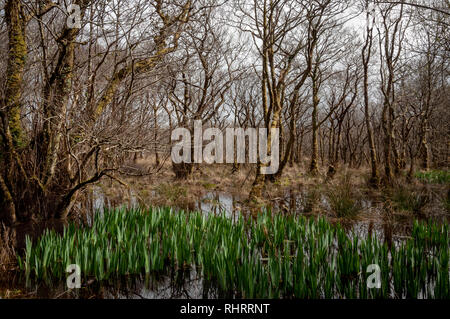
pixel 348 83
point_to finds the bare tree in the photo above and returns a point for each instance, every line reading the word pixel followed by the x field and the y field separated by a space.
pixel 53 161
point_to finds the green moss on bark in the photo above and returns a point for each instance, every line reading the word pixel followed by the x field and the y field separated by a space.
pixel 16 63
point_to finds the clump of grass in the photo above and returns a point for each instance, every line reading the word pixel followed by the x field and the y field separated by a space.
pixel 271 256
pixel 404 199
pixel 434 177
pixel 209 186
pixel 171 192
pixel 341 199
pixel 310 200
pixel 343 205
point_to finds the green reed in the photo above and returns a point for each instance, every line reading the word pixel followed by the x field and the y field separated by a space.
pixel 274 256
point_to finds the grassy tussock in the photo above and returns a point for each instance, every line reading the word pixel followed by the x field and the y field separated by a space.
pixel 310 200
pixel 412 201
pixel 343 200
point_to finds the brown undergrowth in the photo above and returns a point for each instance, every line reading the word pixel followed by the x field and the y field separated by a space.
pixel 346 196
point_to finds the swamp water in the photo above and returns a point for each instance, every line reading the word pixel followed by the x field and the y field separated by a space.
pixel 189 283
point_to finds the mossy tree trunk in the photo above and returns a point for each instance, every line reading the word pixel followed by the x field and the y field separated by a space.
pixel 12 135
pixel 17 54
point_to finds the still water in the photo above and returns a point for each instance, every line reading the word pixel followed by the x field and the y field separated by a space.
pixel 188 283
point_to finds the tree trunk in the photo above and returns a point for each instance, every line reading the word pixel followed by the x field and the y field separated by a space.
pixel 366 55
pixel 182 170
pixel 424 145
pixel 17 55
pixel 258 184
pixel 12 136
pixel 314 167
pixel 387 146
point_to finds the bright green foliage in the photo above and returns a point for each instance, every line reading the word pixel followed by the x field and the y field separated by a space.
pixel 435 177
pixel 271 257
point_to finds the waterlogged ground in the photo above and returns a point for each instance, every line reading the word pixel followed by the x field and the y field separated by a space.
pixel 373 218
